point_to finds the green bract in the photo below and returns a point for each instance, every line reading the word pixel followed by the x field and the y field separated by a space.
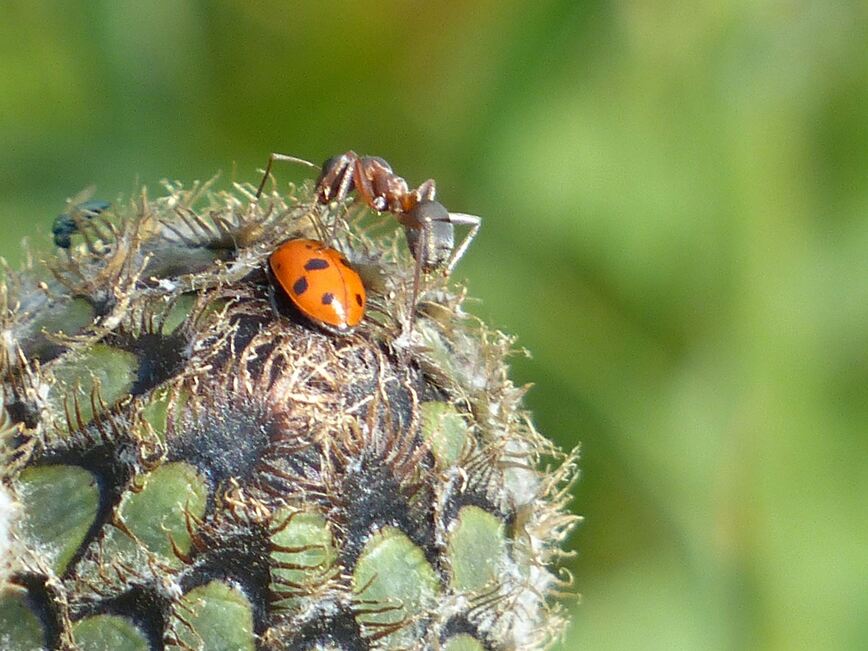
pixel 183 467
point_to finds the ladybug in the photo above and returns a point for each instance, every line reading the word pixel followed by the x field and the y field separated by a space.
pixel 321 284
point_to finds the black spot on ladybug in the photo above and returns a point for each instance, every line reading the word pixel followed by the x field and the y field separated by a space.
pixel 316 263
pixel 359 300
pixel 327 298
pixel 299 287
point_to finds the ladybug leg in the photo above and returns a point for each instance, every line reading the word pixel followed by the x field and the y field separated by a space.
pixel 461 219
pixel 283 158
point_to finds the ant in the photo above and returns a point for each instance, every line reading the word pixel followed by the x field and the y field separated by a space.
pixel 428 225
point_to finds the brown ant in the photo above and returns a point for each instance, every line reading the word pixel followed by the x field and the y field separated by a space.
pixel 429 227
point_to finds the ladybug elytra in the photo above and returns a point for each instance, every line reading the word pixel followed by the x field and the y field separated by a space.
pixel 320 283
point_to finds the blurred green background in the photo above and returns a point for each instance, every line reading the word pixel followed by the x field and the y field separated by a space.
pixel 676 225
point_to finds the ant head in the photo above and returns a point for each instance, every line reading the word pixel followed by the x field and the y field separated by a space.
pixel 376 161
pixel 431 225
pixel 327 167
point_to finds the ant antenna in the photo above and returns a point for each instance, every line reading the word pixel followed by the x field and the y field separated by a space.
pixel 285 159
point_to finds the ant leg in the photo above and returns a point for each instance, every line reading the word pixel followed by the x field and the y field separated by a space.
pixel 343 217
pixel 427 190
pixel 409 199
pixel 365 184
pixel 461 219
pixel 283 158
pixel 421 246
pixel 337 177
pixel 351 176
pixel 318 228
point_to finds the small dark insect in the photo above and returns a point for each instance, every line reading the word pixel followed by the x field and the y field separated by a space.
pixel 428 225
pixel 67 224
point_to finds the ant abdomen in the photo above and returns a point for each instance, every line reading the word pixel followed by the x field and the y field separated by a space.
pixel 432 238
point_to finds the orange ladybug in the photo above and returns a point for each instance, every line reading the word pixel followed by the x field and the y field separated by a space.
pixel 321 284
